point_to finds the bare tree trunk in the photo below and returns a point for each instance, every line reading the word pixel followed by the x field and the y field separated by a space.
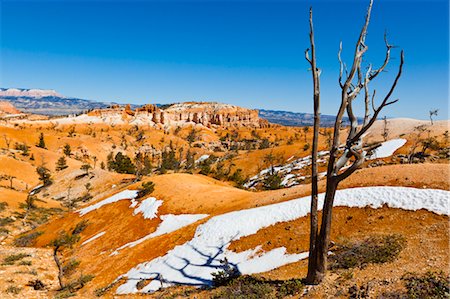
pixel 314 173
pixel 60 268
pixel 353 152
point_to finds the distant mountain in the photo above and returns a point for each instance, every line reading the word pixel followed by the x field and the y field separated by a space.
pixel 47 102
pixel 297 119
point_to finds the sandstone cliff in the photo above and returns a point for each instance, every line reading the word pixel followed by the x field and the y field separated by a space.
pixel 205 113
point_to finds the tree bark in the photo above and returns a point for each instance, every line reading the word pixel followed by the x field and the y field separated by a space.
pixel 352 152
pixel 314 173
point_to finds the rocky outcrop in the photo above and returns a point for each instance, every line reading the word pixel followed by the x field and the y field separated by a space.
pixel 205 113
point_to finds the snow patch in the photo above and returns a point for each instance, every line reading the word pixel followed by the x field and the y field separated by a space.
pixel 148 207
pixel 192 263
pixel 93 238
pixel 170 223
pixel 387 149
pixel 202 158
pixel 126 194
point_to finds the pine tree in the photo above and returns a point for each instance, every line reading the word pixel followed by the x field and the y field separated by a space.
pixel 61 164
pixel 41 142
pixel 67 150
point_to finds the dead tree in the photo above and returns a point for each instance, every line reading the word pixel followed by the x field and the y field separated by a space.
pixel 352 153
pixel 314 173
pixel 433 112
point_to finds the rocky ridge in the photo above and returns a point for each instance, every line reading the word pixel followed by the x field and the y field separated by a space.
pixel 205 113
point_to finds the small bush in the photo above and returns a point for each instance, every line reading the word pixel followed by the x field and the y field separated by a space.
pixel 36 284
pixel 5 221
pixel 290 288
pixel 246 287
pixel 27 239
pixel 227 274
pixel 64 294
pixel 11 259
pixel 375 249
pixel 70 266
pixel 272 181
pixel 428 285
pixel 147 188
pixel 25 263
pixel 80 227
pixel 3 206
pixel 13 290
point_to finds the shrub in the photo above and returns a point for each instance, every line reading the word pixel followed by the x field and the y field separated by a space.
pixel 290 288
pixel 3 206
pixel 70 266
pixel 36 284
pixel 11 259
pixel 272 181
pixel 25 263
pixel 27 239
pixel 80 227
pixel 5 221
pixel 13 290
pixel 246 287
pixel 428 285
pixel 264 144
pixel 375 249
pixel 147 188
pixel 227 274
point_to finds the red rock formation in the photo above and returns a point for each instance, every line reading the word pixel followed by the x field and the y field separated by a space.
pixel 205 113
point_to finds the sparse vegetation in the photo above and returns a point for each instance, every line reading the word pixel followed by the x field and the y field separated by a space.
pixel 146 189
pixel 13 290
pixel 3 205
pixel 251 287
pixel 28 239
pixel 11 259
pixel 429 285
pixel 374 249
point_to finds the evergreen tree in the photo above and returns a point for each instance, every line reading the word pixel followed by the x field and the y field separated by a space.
pixel 121 164
pixel 44 175
pixel 41 142
pixel 67 150
pixel 61 164
pixel 169 160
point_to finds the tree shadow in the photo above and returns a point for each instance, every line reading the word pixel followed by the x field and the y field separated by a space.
pixel 211 261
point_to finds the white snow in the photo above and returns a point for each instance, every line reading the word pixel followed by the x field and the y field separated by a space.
pixel 192 263
pixel 93 238
pixel 387 148
pixel 148 207
pixel 170 223
pixel 289 179
pixel 202 158
pixel 33 191
pixel 126 194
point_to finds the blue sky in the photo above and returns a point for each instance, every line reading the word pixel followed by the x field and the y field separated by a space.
pixel 248 53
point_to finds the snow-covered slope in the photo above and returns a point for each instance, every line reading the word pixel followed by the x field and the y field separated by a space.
pixel 193 262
